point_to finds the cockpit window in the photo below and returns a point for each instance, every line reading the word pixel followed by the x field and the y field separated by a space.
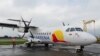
pixel 68 30
pixel 78 29
pixel 72 29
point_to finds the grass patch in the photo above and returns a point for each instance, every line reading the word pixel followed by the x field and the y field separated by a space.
pixel 8 41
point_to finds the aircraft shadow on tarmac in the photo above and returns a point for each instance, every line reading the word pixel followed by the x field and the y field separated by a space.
pixel 52 51
pixel 41 51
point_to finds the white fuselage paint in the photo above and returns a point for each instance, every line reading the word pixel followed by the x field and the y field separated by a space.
pixel 74 38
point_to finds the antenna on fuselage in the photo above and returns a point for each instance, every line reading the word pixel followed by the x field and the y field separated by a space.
pixel 63 23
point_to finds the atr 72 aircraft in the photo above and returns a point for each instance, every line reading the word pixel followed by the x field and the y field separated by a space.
pixel 67 35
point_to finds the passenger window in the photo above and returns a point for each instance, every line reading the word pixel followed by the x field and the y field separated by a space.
pixel 72 29
pixel 68 30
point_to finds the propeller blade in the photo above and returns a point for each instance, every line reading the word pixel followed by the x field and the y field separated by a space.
pixel 23 35
pixel 14 20
pixel 26 28
pixel 31 34
pixel 30 22
pixel 24 21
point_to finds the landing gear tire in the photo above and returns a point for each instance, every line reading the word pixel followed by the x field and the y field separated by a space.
pixel 28 45
pixel 46 45
pixel 80 50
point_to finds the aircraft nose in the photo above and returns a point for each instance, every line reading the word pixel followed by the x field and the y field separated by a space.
pixel 87 38
pixel 93 38
pixel 90 38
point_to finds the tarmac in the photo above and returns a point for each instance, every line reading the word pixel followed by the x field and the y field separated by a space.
pixel 21 50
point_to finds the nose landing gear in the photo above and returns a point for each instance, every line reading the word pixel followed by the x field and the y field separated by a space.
pixel 80 50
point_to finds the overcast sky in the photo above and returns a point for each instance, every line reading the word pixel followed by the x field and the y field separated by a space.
pixel 50 13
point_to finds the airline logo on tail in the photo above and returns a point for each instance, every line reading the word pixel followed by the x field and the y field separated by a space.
pixel 58 36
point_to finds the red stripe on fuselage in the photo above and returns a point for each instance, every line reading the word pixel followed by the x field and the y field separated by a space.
pixel 55 39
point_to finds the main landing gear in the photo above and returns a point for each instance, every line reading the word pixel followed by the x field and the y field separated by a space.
pixel 28 45
pixel 80 50
pixel 46 45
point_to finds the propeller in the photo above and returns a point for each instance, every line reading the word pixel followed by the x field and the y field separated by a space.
pixel 26 28
pixel 26 23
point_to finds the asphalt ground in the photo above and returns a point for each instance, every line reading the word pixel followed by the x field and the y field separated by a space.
pixel 21 50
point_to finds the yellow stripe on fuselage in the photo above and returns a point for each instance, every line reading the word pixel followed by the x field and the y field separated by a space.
pixel 58 36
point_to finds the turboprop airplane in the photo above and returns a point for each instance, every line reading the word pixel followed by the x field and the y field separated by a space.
pixel 66 35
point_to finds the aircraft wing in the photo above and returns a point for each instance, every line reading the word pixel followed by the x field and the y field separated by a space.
pixel 14 25
pixel 9 25
pixel 33 27
pixel 26 25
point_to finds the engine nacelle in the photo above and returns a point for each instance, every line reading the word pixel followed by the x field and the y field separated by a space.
pixel 34 40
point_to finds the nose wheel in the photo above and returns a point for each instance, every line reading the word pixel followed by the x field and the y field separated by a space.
pixel 80 50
